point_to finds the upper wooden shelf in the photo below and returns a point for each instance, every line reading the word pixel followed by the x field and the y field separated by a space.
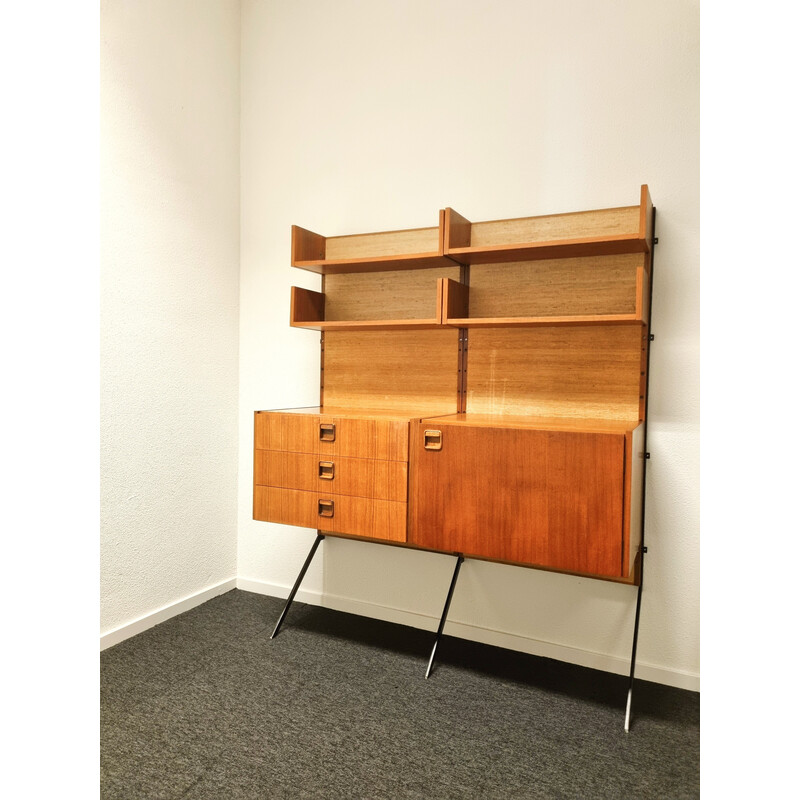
pixel 610 231
pixel 456 240
pixel 418 248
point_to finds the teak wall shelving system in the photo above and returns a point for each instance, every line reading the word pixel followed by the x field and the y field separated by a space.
pixel 483 393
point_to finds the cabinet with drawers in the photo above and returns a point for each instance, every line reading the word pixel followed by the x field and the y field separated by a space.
pixel 338 473
pixel 483 390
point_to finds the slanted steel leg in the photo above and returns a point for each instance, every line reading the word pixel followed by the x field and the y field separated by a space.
pixel 296 586
pixel 646 456
pixel 635 640
pixel 444 614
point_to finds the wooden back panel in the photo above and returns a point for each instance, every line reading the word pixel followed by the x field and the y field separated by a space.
pixel 603 222
pixel 555 287
pixel 392 370
pixel 385 243
pixel 556 371
pixel 401 294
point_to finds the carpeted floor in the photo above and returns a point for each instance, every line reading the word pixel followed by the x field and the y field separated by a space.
pixel 337 706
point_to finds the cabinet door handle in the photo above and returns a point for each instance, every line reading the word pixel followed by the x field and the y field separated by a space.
pixel 433 440
pixel 327 432
pixel 325 508
pixel 326 470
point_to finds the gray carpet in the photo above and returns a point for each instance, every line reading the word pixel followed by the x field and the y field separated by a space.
pixel 337 706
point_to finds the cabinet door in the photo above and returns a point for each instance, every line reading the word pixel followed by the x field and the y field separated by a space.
pixel 550 499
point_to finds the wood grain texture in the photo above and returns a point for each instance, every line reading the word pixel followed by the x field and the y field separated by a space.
pixel 546 498
pixel 357 477
pixel 563 248
pixel 646 218
pixel 583 372
pixel 357 516
pixel 540 322
pixel 633 500
pixel 383 439
pixel 414 241
pixel 604 223
pixel 306 245
pixel 555 287
pixel 619 427
pixel 306 307
pixel 455 300
pixel 643 294
pixel 366 438
pixel 397 295
pixel 457 230
pixel 392 370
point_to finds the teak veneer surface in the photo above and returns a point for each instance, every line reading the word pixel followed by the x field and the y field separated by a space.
pixel 359 516
pixel 551 499
pixel 357 477
pixel 385 439
pixel 598 223
pixel 555 287
pixel 399 415
pixel 415 248
pixel 583 372
pixel 514 421
pixel 398 295
pixel 383 243
pixel 386 370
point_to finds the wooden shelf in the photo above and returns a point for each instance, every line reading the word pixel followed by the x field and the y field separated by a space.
pixel 418 248
pixel 601 290
pixel 611 231
pixel 385 300
pixel 308 311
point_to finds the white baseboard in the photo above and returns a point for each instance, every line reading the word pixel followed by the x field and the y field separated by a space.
pixel 117 635
pixel 585 658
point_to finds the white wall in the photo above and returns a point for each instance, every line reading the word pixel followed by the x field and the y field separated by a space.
pixel 361 115
pixel 169 303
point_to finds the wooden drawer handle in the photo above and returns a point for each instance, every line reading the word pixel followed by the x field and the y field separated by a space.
pixel 433 440
pixel 326 470
pixel 327 432
pixel 325 508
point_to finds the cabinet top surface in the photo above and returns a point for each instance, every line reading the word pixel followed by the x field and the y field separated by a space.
pixel 356 413
pixel 577 424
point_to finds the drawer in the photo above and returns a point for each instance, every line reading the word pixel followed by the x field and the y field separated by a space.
pixel 319 434
pixel 332 513
pixel 361 477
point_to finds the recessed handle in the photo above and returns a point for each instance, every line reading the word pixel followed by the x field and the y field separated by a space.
pixel 433 440
pixel 325 508
pixel 327 432
pixel 326 470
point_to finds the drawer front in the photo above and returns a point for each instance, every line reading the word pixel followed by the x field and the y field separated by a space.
pixel 385 440
pixel 332 513
pixel 359 477
pixel 549 499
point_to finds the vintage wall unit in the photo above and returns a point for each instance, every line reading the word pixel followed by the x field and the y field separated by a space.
pixel 483 393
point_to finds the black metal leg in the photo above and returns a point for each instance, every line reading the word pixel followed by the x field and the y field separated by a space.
pixel 635 640
pixel 444 614
pixel 296 586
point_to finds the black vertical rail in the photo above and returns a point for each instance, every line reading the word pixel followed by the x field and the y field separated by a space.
pixel 297 583
pixel 444 614
pixel 646 456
